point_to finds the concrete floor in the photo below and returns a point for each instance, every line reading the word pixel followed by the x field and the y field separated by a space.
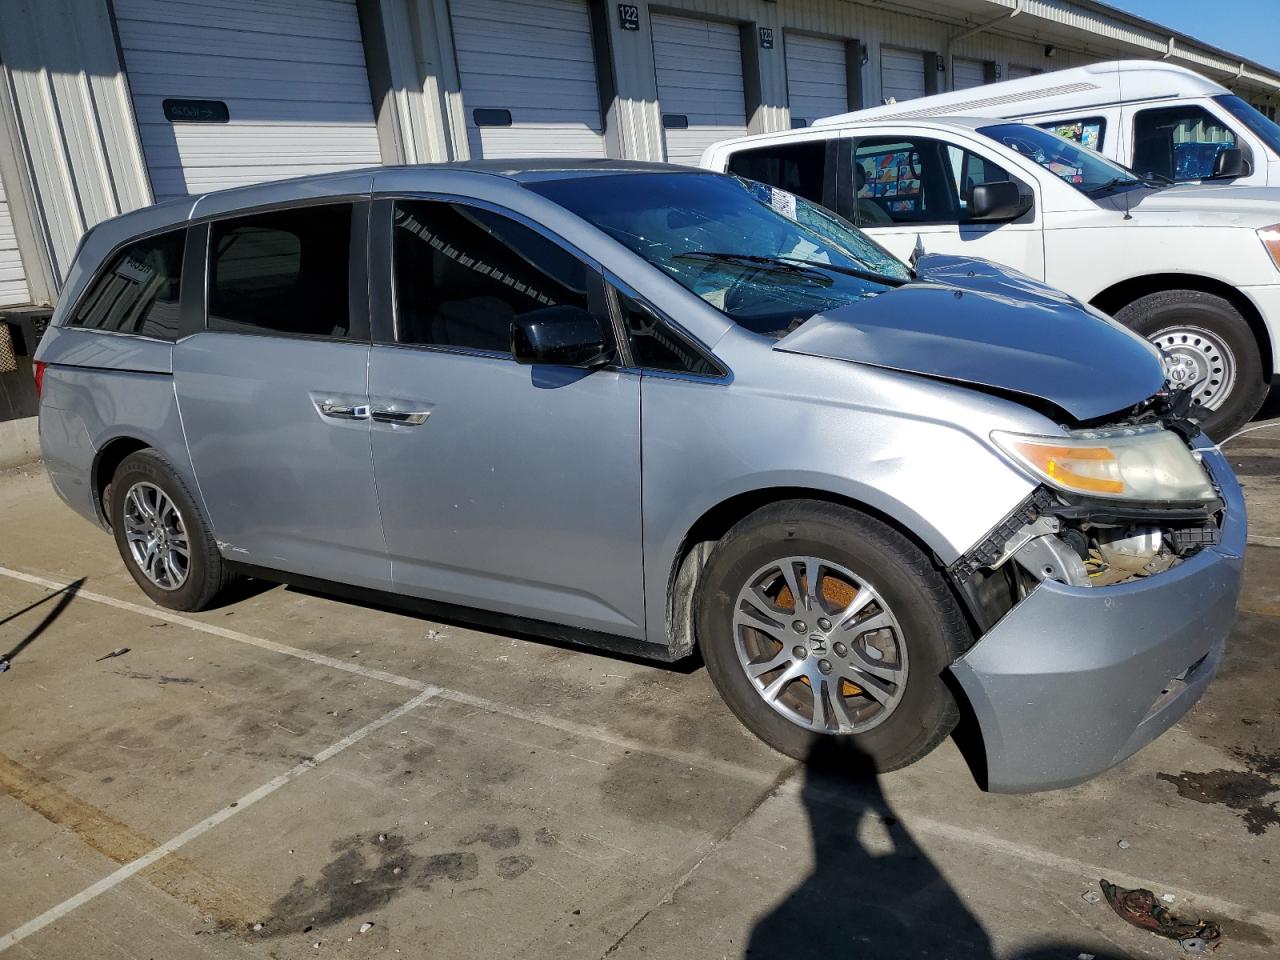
pixel 264 779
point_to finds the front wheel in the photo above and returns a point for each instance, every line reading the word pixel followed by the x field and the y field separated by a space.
pixel 821 626
pixel 1207 346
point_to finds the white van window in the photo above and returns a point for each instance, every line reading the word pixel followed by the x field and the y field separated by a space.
pixel 1086 131
pixel 1178 143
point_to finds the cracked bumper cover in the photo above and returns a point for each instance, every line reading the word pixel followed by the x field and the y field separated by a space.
pixel 1075 679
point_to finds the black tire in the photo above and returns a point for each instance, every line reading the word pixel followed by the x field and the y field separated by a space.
pixel 207 573
pixel 933 627
pixel 1169 309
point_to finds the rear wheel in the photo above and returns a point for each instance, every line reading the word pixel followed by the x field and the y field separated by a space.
pixel 821 626
pixel 161 535
pixel 1209 347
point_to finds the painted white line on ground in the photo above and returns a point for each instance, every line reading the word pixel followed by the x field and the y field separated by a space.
pixel 207 824
pixel 1261 541
pixel 580 730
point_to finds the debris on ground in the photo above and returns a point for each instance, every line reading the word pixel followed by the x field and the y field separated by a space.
pixel 366 927
pixel 1140 907
pixel 117 652
pixel 1090 897
pixel 1123 844
pixel 4 665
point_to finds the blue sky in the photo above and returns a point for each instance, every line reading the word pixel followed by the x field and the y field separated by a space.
pixel 1246 27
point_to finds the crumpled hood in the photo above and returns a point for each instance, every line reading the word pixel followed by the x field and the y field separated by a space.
pixel 972 321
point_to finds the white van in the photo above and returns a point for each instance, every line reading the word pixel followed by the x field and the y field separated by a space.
pixel 1195 269
pixel 1157 118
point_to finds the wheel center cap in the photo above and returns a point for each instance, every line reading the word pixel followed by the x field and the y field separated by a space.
pixel 817 643
pixel 1181 369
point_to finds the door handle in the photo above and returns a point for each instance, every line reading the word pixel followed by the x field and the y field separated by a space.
pixel 407 418
pixel 342 409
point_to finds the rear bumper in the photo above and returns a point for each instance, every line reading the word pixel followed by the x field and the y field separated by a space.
pixel 1075 679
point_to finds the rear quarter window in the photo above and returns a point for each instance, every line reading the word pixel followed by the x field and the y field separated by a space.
pixel 799 168
pixel 138 291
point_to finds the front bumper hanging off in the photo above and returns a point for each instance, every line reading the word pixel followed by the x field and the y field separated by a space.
pixel 1075 679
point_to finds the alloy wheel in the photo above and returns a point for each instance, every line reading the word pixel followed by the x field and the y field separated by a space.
pixel 157 536
pixel 820 645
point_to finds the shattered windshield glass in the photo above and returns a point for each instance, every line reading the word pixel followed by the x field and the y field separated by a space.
pixel 768 259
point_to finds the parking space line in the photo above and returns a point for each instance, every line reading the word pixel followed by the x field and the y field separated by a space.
pixel 208 823
pixel 580 730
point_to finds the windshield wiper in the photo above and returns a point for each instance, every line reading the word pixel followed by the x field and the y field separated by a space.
pixel 1112 184
pixel 870 275
pixel 772 264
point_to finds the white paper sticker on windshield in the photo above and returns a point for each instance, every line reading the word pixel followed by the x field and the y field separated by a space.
pixel 783 202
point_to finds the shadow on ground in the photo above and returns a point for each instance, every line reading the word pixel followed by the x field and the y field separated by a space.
pixel 63 597
pixel 873 892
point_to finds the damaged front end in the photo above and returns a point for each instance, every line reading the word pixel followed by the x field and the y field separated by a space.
pixel 1091 525
pixel 1102 609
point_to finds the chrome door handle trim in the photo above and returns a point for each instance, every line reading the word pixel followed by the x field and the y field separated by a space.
pixel 408 418
pixel 338 410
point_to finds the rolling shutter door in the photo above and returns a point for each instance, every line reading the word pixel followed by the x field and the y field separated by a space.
pixel 901 74
pixel 967 73
pixel 699 69
pixel 13 282
pixel 1017 73
pixel 817 80
pixel 291 72
pixel 529 69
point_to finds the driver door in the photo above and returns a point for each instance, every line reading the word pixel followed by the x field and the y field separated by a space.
pixel 901 189
pixel 502 486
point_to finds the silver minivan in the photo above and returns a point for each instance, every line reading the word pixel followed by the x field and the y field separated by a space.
pixel 660 411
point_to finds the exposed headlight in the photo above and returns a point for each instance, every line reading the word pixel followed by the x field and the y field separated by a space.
pixel 1270 237
pixel 1146 463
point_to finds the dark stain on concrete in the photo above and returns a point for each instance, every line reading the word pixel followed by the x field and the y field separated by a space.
pixel 1241 791
pixel 499 838
pixel 458 867
pixel 158 678
pixel 511 867
pixel 544 837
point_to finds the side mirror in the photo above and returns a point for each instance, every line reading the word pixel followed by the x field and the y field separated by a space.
pixel 1001 200
pixel 1230 163
pixel 564 336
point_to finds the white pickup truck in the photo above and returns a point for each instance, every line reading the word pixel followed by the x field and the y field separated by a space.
pixel 1194 268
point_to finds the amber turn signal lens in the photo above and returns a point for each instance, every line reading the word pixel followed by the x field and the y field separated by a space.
pixel 1091 469
pixel 1270 237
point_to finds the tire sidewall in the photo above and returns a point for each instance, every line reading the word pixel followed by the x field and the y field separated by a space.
pixel 148 467
pixel 926 704
pixel 1154 313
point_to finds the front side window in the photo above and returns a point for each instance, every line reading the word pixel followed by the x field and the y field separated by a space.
pixel 138 292
pixel 799 168
pixel 1087 171
pixel 463 274
pixel 1086 131
pixel 1179 143
pixel 968 171
pixel 916 180
pixel 764 257
pixel 282 272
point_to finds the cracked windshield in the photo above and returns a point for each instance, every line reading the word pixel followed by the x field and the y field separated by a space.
pixel 768 259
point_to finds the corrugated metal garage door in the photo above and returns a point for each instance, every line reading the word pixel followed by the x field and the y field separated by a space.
pixel 291 72
pixel 967 73
pixel 817 80
pixel 529 64
pixel 699 69
pixel 1017 73
pixel 13 282
pixel 901 74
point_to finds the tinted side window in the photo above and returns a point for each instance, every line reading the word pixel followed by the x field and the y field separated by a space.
pixel 1180 143
pixel 903 181
pixel 462 274
pixel 655 345
pixel 798 168
pixel 138 292
pixel 284 272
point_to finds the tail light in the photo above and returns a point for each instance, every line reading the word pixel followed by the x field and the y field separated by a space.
pixel 38 372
